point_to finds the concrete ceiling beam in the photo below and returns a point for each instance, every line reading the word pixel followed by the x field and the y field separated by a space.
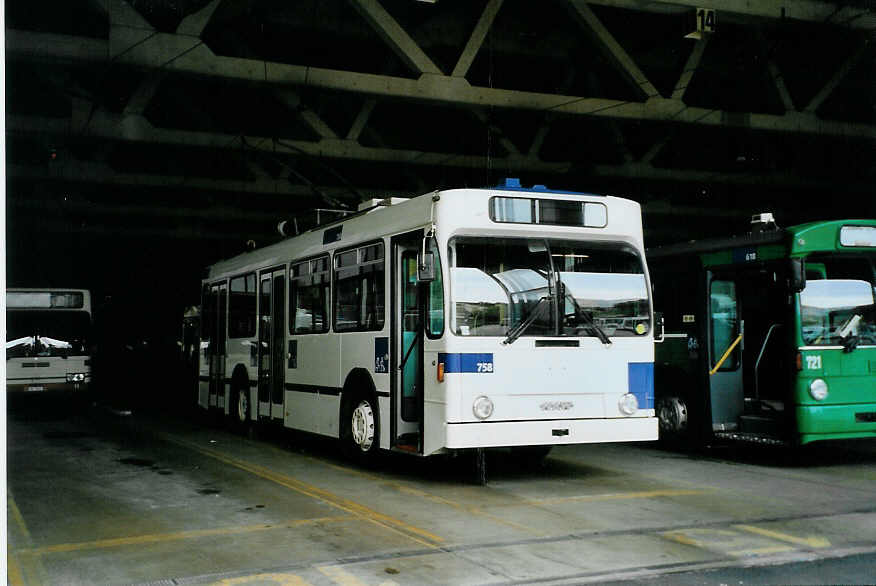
pixel 836 79
pixel 194 24
pixel 137 129
pixel 621 59
pixel 186 55
pixel 395 36
pixel 690 68
pixel 855 17
pixel 476 40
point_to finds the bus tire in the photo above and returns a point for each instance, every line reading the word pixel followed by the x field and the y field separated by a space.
pixel 240 409
pixel 360 428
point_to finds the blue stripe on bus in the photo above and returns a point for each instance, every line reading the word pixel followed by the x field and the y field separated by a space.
pixel 641 383
pixel 467 362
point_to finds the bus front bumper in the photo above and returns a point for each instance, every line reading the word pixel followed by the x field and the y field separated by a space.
pixel 832 422
pixel 44 387
pixel 550 432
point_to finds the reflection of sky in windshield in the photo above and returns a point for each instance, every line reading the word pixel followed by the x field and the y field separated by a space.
pixel 521 280
pixel 605 286
pixel 836 294
pixel 475 286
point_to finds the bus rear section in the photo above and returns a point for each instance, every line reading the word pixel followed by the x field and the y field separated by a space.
pixel 771 336
pixel 47 340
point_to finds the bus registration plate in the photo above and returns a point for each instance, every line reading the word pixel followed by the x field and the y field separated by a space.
pixel 35 388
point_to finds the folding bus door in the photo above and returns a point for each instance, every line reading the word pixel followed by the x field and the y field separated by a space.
pixel 727 342
pixel 272 343
pixel 407 345
pixel 216 349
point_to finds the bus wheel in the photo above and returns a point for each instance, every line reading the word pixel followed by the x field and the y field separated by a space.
pixel 240 415
pixel 360 432
pixel 673 417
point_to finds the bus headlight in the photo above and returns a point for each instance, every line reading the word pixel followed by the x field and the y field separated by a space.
pixel 482 407
pixel 818 389
pixel 75 377
pixel 628 404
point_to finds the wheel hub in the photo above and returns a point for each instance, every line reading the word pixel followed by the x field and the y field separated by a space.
pixel 242 406
pixel 672 413
pixel 363 426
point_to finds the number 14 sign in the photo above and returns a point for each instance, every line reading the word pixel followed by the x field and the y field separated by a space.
pixel 706 23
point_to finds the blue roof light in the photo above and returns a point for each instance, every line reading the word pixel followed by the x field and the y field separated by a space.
pixel 513 184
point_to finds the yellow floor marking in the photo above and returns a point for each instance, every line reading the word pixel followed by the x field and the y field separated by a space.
pixel 416 534
pixel 727 541
pixel 438 499
pixel 19 519
pixel 614 496
pixel 24 567
pixel 683 539
pixel 13 571
pixel 278 579
pixel 165 537
pixel 466 508
pixel 761 550
pixel 805 541
pixel 529 502
pixel 340 577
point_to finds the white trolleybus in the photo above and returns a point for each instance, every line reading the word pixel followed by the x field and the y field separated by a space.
pixel 466 318
pixel 47 340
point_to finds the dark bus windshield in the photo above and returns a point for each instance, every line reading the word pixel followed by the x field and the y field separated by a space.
pixel 47 333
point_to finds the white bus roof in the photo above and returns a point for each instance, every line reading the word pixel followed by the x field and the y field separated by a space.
pixel 404 215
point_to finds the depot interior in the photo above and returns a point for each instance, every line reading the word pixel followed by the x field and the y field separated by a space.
pixel 146 139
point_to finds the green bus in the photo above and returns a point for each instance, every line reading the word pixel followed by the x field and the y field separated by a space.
pixel 769 337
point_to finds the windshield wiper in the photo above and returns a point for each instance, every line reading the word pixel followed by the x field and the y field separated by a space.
pixel 590 323
pixel 518 330
pixel 846 334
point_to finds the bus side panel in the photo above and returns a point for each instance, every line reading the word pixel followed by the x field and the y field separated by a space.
pixel 357 351
pixel 313 363
pixel 435 415
pixel 301 409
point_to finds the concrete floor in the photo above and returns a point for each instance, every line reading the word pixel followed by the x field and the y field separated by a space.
pixel 99 498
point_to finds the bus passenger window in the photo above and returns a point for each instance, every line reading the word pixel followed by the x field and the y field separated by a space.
pixel 359 289
pixel 725 325
pixel 308 297
pixel 242 307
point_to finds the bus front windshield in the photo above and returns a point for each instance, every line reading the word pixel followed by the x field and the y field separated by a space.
pixel 549 287
pixel 838 304
pixel 47 333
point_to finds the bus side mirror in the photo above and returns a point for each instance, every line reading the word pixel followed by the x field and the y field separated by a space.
pixel 797 274
pixel 659 329
pixel 425 266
